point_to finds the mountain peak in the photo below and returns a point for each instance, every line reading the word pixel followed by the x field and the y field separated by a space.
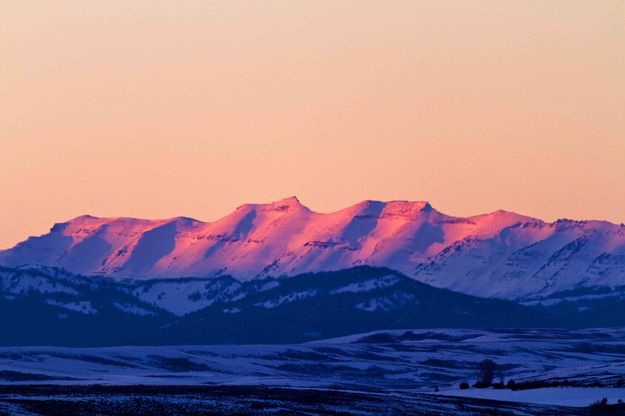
pixel 406 209
pixel 288 204
pixel 291 201
pixel 393 205
pixel 85 217
pixel 415 205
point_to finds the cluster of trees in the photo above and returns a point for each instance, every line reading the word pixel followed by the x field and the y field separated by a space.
pixel 486 375
pixel 603 405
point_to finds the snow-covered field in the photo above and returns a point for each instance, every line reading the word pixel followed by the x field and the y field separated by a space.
pixel 407 360
pixel 562 396
pixel 382 372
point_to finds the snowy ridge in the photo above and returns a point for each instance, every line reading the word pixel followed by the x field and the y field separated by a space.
pixel 500 254
pixel 57 308
pixel 76 310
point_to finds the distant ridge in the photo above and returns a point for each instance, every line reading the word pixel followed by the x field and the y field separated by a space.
pixel 500 254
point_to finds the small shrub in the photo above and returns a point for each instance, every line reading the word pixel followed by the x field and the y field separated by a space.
pixel 464 385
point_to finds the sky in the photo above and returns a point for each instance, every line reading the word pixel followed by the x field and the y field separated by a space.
pixel 156 108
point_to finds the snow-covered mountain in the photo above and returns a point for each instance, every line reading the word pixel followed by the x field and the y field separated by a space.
pixel 51 307
pixel 48 306
pixel 500 254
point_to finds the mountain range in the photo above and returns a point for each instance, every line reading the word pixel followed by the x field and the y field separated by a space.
pixel 49 306
pixel 500 254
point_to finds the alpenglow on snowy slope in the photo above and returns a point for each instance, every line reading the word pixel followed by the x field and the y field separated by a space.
pixel 501 254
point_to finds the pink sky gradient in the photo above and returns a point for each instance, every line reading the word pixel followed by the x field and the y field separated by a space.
pixel 159 108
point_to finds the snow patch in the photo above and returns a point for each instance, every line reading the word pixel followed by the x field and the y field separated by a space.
pixel 133 309
pixel 83 307
pixel 291 297
pixel 368 285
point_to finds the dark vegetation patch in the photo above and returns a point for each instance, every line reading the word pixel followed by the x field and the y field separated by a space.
pixel 176 364
pixel 458 365
pixel 596 348
pixel 371 356
pixel 436 336
pixel 302 355
pixel 7 375
pixel 96 360
pixel 438 377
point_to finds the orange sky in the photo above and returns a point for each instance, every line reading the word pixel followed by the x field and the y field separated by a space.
pixel 161 108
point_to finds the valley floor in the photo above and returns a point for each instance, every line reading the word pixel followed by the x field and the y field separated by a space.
pixel 383 372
